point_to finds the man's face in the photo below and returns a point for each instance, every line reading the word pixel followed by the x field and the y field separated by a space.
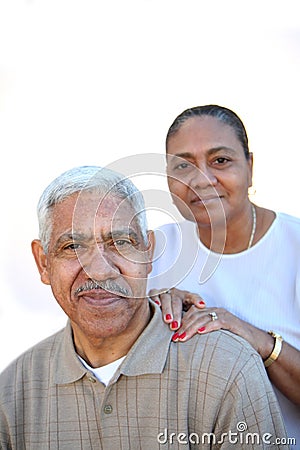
pixel 96 241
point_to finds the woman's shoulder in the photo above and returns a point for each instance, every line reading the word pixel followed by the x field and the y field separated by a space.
pixel 288 220
pixel 286 230
pixel 170 236
pixel 177 228
pixel 269 220
pixel 287 225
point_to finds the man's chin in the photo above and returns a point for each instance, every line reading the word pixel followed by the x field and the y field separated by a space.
pixel 103 328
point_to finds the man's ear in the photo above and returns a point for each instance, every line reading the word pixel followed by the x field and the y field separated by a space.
pixel 40 260
pixel 150 249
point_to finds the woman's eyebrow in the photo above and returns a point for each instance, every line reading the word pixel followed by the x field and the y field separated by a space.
pixel 214 150
pixel 211 151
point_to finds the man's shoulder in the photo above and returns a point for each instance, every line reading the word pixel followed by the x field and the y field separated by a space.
pixel 221 352
pixel 221 339
pixel 32 360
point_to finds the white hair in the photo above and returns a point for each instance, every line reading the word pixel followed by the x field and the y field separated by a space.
pixel 88 178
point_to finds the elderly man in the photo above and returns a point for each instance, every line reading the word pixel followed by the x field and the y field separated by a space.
pixel 113 379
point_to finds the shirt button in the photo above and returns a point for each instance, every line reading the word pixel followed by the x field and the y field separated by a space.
pixel 107 409
pixel 93 380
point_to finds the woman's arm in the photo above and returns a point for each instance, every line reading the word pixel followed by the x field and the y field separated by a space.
pixel 284 372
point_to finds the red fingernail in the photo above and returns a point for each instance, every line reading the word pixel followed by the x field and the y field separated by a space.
pixel 168 317
pixel 201 302
pixel 175 336
pixel 157 302
pixel 174 324
pixel 183 335
pixel 201 329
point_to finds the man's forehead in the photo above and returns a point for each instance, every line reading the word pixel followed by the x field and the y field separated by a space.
pixel 98 199
pixel 104 209
pixel 88 212
pixel 88 204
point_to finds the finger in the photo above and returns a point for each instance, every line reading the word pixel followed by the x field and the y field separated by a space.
pixel 196 322
pixel 189 298
pixel 194 316
pixel 177 308
pixel 171 307
pixel 192 320
pixel 173 302
pixel 166 306
pixel 185 333
pixel 194 299
pixel 154 294
pixel 216 322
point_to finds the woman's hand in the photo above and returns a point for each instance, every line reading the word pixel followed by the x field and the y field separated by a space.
pixel 173 303
pixel 187 315
pixel 211 319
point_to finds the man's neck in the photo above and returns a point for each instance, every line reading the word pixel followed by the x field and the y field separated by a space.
pixel 99 351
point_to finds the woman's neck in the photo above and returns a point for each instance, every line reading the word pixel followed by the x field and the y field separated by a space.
pixel 236 237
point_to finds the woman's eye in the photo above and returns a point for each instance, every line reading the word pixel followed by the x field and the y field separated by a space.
pixel 221 160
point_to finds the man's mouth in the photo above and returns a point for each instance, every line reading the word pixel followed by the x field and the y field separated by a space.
pixel 101 289
pixel 99 297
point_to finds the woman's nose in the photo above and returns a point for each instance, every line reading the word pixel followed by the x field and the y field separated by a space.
pixel 202 177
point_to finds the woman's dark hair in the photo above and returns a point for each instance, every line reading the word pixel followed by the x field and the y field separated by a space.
pixel 221 113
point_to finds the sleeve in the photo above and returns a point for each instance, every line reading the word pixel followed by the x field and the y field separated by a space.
pixel 8 409
pixel 250 417
pixel 5 443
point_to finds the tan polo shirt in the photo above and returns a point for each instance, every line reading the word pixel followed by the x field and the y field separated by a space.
pixel 205 393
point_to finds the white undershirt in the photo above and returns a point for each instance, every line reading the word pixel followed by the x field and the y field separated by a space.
pixel 104 373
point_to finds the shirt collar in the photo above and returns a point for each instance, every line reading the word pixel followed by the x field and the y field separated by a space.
pixel 66 366
pixel 147 355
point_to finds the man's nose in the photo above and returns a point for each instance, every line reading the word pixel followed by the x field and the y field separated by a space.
pixel 98 265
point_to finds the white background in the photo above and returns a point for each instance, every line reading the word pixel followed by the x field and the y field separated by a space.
pixel 89 82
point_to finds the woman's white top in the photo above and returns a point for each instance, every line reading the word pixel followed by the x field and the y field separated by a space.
pixel 260 285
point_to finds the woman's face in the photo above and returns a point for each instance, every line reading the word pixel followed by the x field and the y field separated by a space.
pixel 208 173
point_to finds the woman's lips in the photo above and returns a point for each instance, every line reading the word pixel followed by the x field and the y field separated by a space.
pixel 198 200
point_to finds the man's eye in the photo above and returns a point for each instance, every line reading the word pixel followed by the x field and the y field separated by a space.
pixel 182 166
pixel 72 247
pixel 122 243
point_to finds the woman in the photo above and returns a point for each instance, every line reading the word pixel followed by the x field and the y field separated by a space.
pixel 242 261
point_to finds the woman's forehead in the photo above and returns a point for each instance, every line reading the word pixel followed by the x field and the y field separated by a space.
pixel 202 133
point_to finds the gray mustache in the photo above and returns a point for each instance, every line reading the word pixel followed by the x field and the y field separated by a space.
pixel 107 285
